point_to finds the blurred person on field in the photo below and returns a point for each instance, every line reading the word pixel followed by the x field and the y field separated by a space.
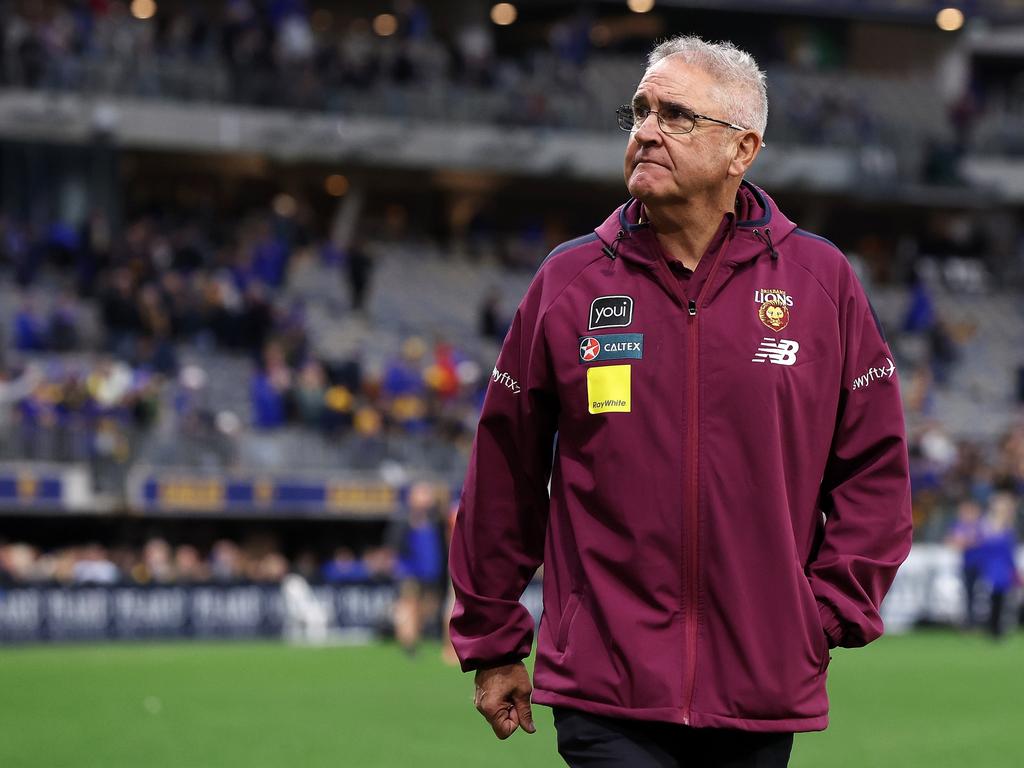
pixel 728 498
pixel 418 541
pixel 448 655
pixel 996 558
pixel 965 536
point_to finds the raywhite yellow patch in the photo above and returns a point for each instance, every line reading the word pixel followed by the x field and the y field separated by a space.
pixel 608 389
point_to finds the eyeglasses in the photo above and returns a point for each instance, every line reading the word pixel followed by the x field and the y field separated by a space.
pixel 671 119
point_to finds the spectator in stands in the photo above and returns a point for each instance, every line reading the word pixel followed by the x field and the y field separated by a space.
pixel 226 561
pixel 119 311
pixel 94 567
pixel 189 566
pixel 257 318
pixel 1010 461
pixel 405 388
pixel 270 389
pixel 157 562
pixel 29 328
pixel 493 323
pixel 62 324
pixel 310 391
pixel 358 270
pixel 344 567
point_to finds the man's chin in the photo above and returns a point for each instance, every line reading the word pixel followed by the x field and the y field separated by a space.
pixel 644 192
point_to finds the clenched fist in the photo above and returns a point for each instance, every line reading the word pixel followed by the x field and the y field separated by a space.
pixel 503 698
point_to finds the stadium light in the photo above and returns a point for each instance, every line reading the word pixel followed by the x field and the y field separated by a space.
pixel 385 24
pixel 143 9
pixel 949 19
pixel 503 14
pixel 640 6
pixel 336 185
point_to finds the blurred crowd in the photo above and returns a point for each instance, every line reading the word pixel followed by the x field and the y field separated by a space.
pixel 286 53
pixel 75 410
pixel 946 471
pixel 165 279
pixel 156 561
pixel 276 53
pixel 412 549
pixel 96 339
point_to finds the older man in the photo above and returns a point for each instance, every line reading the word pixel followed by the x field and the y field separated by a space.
pixel 729 495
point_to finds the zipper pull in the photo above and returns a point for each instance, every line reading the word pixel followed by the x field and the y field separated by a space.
pixel 692 307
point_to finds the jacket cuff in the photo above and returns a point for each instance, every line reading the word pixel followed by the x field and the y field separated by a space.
pixel 831 624
pixel 501 661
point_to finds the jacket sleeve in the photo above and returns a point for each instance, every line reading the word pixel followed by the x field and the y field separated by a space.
pixel 865 492
pixel 498 538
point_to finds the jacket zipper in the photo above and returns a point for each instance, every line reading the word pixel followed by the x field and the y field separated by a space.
pixel 692 518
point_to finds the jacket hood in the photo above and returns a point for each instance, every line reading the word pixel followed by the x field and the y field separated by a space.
pixel 760 232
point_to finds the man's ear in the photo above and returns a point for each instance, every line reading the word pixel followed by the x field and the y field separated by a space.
pixel 745 149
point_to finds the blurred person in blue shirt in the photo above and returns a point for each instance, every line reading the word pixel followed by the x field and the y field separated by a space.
pixel 29 329
pixel 996 558
pixel 965 536
pixel 417 538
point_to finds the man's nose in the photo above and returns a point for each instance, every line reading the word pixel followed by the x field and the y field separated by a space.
pixel 648 131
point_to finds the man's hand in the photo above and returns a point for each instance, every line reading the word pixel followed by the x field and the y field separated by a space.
pixel 503 698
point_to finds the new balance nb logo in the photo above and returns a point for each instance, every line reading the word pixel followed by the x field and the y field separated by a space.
pixel 780 352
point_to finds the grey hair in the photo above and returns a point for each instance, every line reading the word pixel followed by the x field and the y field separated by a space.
pixel 743 86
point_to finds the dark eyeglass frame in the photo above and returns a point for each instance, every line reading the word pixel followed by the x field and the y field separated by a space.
pixel 627 121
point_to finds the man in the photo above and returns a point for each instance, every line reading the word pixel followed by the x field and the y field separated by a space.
pixel 729 493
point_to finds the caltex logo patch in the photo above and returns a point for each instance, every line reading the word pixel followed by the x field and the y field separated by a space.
pixel 590 348
pixel 612 346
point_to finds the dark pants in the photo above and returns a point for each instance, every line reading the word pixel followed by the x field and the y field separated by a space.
pixel 996 626
pixel 590 741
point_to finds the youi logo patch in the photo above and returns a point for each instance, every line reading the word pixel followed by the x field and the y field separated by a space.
pixel 611 312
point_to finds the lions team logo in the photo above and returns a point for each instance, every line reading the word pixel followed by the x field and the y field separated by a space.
pixel 773 307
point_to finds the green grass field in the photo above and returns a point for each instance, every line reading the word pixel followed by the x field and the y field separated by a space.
pixel 929 699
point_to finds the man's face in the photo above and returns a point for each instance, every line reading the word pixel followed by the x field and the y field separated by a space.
pixel 665 168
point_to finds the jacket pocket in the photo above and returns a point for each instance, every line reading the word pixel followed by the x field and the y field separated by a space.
pixel 572 605
pixel 825 656
pixel 821 646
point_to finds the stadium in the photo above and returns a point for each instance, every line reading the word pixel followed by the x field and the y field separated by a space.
pixel 257 261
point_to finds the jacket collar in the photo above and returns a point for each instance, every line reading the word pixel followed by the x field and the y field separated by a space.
pixel 761 231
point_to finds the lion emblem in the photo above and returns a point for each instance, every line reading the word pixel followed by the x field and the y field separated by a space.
pixel 774 314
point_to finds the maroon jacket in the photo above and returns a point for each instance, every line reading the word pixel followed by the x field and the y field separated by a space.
pixel 729 493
